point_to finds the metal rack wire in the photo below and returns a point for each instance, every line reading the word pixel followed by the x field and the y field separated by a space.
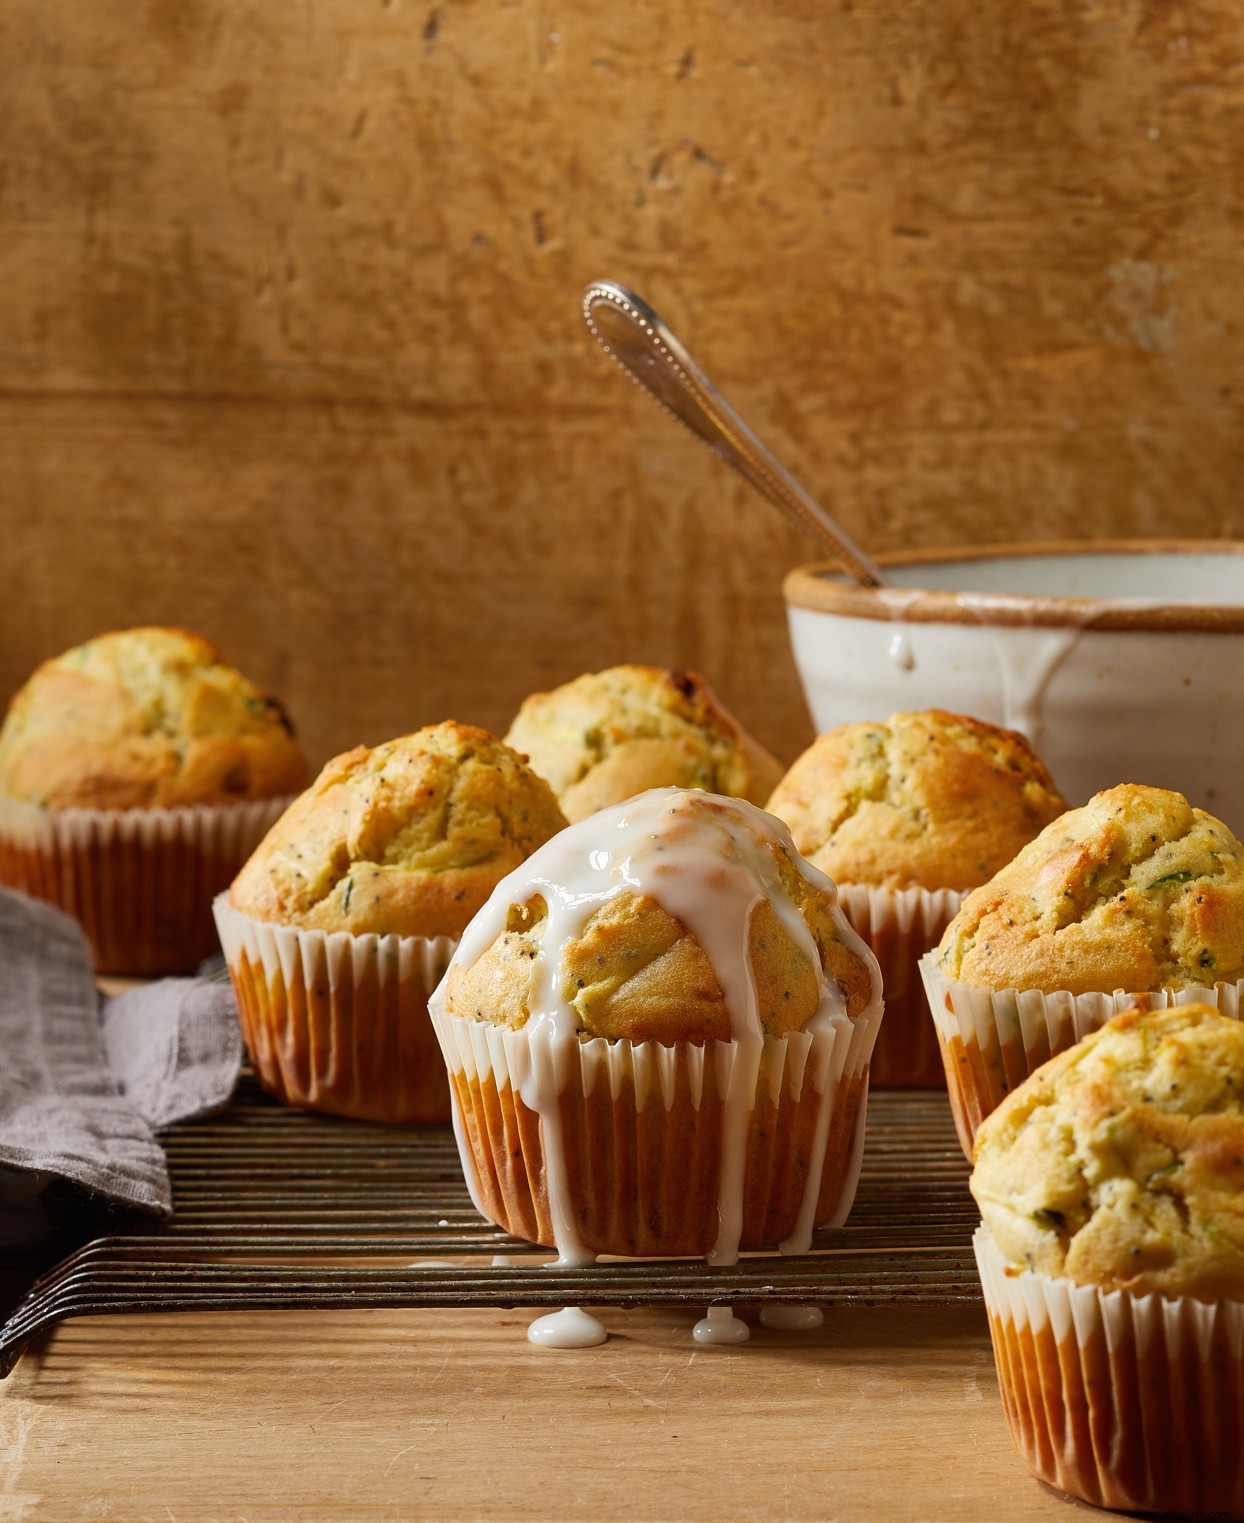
pixel 278 1208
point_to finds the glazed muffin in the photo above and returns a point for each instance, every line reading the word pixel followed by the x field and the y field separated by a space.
pixel 1135 894
pixel 609 735
pixel 658 1034
pixel 344 919
pixel 1111 1184
pixel 905 817
pixel 137 772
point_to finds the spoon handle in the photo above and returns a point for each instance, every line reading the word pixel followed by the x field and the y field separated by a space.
pixel 632 334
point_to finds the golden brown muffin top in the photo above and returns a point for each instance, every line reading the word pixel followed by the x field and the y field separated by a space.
pixel 927 800
pixel 406 839
pixel 661 905
pixel 609 735
pixel 1135 891
pixel 146 718
pixel 1120 1163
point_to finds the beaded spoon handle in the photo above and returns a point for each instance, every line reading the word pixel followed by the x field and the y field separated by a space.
pixel 632 334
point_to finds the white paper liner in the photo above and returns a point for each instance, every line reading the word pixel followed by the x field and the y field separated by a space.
pixel 531 1061
pixel 338 1022
pixel 220 827
pixel 482 1050
pixel 900 925
pixel 141 881
pixel 1009 1033
pixel 1126 1401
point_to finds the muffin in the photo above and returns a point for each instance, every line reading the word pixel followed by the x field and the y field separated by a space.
pixel 344 919
pixel 137 773
pixel 658 1033
pixel 1136 897
pixel 905 817
pixel 609 735
pixel 1111 1184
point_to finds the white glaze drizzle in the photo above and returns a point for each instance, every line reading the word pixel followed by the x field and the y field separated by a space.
pixel 895 601
pixel 571 1327
pixel 901 652
pixel 792 1319
pixel 1024 676
pixel 800 1238
pixel 706 861
pixel 1025 673
pixel 720 1327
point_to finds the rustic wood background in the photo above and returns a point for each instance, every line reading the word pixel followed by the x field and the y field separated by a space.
pixel 290 345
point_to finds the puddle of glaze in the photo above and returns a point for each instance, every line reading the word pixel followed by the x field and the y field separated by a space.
pixel 569 1328
pixel 792 1319
pixel 720 1328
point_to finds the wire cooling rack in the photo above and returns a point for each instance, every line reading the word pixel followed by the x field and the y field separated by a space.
pixel 280 1209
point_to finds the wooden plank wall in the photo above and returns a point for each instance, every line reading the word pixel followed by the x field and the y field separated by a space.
pixel 290 345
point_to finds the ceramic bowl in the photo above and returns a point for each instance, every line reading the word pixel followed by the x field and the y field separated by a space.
pixel 1120 662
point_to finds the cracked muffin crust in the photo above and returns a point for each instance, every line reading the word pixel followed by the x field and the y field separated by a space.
pixel 609 735
pixel 636 971
pixel 658 1034
pixel 407 839
pixel 1136 890
pixel 145 718
pixel 1120 1163
pixel 926 800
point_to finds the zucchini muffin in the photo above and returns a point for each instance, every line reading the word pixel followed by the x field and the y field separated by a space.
pixel 609 735
pixel 137 772
pixel 1111 1184
pixel 344 919
pixel 905 817
pixel 1134 894
pixel 658 1033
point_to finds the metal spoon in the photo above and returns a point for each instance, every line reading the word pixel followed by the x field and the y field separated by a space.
pixel 630 332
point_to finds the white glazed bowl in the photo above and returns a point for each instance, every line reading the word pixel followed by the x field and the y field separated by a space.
pixel 1120 662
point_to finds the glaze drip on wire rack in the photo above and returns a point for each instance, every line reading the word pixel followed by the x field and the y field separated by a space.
pixel 280 1209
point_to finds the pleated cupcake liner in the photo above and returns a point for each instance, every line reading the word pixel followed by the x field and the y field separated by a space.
pixel 339 1023
pixel 992 1039
pixel 901 925
pixel 1129 1402
pixel 140 881
pixel 638 1158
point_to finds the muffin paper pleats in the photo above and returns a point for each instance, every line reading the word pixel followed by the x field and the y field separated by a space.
pixel 339 1023
pixel 901 925
pixel 636 1155
pixel 992 1039
pixel 1128 1402
pixel 140 881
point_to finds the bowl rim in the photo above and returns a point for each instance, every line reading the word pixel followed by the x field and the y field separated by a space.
pixel 822 587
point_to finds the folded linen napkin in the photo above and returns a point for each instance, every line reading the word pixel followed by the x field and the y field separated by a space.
pixel 81 1088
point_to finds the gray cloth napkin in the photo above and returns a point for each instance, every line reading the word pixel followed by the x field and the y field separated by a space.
pixel 81 1088
pixel 174 1048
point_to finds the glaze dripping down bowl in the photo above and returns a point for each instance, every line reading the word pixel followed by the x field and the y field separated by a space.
pixel 1121 662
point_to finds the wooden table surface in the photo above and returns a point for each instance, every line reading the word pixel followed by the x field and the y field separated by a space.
pixel 883 1413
